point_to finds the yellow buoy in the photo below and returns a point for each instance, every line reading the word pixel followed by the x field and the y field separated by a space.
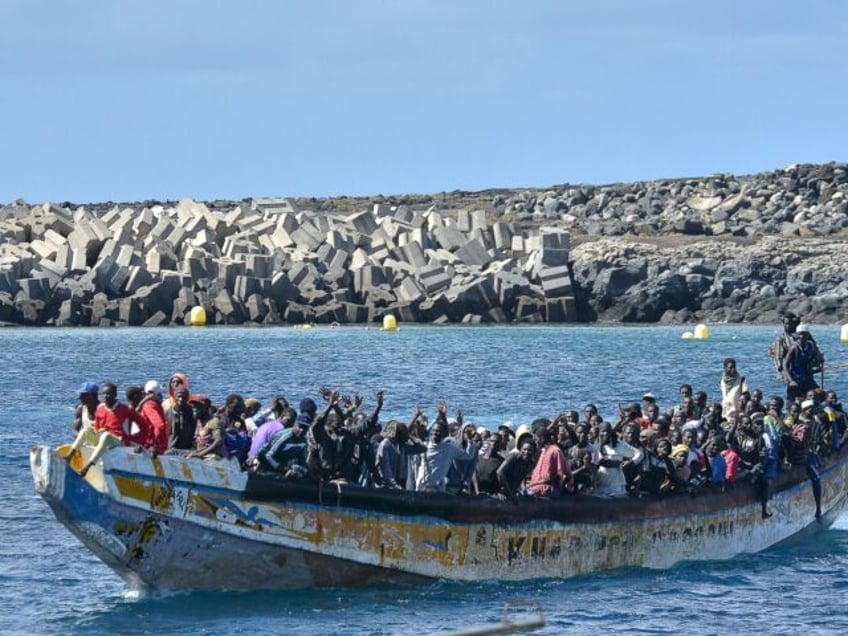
pixel 843 334
pixel 687 335
pixel 389 323
pixel 197 317
pixel 702 332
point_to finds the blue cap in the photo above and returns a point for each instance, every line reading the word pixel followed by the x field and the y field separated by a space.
pixel 89 387
pixel 308 405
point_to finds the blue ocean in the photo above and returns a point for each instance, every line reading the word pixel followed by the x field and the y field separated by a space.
pixel 50 584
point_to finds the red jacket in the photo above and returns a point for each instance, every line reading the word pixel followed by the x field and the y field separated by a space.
pixel 157 426
pixel 118 421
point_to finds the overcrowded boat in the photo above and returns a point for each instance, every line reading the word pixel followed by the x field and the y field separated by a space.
pixel 172 522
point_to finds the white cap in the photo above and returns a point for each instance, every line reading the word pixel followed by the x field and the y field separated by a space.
pixel 807 404
pixel 153 387
pixel 802 327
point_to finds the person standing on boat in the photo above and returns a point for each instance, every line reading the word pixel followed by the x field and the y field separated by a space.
pixel 801 363
pixel 781 345
pixel 732 386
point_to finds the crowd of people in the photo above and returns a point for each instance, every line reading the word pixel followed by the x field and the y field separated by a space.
pixel 643 450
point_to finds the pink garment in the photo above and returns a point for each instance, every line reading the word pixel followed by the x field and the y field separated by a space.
pixel 732 461
pixel 550 473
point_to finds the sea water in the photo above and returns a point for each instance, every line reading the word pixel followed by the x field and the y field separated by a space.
pixel 51 584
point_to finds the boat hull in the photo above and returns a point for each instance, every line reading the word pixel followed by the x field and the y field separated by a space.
pixel 171 523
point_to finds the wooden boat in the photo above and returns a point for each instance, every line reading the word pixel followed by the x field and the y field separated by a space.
pixel 172 523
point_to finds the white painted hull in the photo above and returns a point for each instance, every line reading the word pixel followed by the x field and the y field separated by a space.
pixel 170 523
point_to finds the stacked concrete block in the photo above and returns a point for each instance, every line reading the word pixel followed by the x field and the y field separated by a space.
pixel 410 291
pixel 413 254
pixel 434 278
pixel 555 246
pixel 246 286
pixel 556 282
pixel 308 236
pixel 449 238
pixel 275 206
pixel 475 253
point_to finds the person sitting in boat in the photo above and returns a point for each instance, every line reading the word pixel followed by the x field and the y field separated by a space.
pixel 285 452
pixel 633 466
pixel 332 445
pixel 516 468
pixel 150 407
pixel 209 436
pixel 731 460
pixel 718 467
pixel 659 474
pixel 231 418
pixel 802 450
pixel 551 475
pixel 490 459
pixel 392 457
pixel 835 413
pixel 177 382
pixel 113 423
pixel 84 412
pixel 263 434
pixel 686 407
pixel 181 422
pixel 442 451
pixel 584 457
pixel 610 480
pixel 801 363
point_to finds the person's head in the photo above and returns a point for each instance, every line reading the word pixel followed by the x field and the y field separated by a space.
pixel 153 390
pixel 730 366
pixel 680 453
pixel 505 433
pixel 308 406
pixel 663 448
pixel 134 395
pixel 572 417
pixel 279 406
pixel 803 332
pixel 690 437
pixel 234 405
pixel 757 422
pixel 790 322
pixel 88 392
pixel 527 448
pixel 202 407
pixel 251 407
pixel 301 424
pixel 675 435
pixel 606 435
pixel 685 390
pixel 807 407
pixel 439 432
pixel 756 396
pixel 775 405
pixel 631 435
pixel 589 410
pixel 287 417
pixel 181 396
pixel 542 436
pixel 700 399
pixel 651 411
pixel 109 393
pixel 831 398
pixel 582 434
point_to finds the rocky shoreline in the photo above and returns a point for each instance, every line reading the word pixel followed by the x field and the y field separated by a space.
pixel 721 248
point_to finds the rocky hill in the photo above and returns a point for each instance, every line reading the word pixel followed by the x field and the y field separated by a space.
pixel 717 248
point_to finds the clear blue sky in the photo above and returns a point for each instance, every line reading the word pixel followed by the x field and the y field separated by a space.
pixel 128 100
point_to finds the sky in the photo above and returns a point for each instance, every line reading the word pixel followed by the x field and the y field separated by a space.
pixel 128 100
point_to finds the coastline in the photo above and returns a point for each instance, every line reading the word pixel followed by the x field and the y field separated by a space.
pixel 717 249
